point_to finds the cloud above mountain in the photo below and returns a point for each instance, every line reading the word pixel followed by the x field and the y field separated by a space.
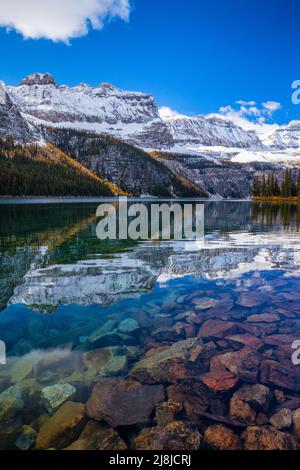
pixel 59 20
pixel 169 114
pixel 250 110
pixel 249 115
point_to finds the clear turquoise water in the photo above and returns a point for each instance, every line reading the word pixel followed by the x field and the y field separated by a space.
pixel 59 283
pixel 54 270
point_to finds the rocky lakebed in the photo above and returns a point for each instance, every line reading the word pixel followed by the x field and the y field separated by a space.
pixel 159 346
pixel 204 370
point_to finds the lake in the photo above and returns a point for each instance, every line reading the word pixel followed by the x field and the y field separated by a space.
pixel 158 340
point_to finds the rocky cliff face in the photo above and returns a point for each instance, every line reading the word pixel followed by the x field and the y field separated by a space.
pixel 211 132
pixel 104 109
pixel 11 122
pixel 83 120
pixel 287 137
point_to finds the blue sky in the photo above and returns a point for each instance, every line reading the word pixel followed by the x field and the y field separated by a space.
pixel 194 56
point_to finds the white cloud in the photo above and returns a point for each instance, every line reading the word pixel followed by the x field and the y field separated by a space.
pixel 168 114
pixel 251 116
pixel 246 103
pixel 271 106
pixel 250 110
pixel 59 20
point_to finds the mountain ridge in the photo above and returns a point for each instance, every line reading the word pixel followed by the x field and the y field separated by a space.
pixel 122 136
pixel 135 118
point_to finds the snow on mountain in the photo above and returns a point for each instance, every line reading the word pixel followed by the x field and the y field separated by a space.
pixel 132 116
pixel 11 121
pixel 285 137
pixel 288 157
pixel 201 130
pixel 135 118
pixel 220 137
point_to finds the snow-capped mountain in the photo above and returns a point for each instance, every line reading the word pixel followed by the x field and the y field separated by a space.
pixel 132 116
pixel 201 130
pixel 219 138
pixel 135 118
pixel 11 121
pixel 286 137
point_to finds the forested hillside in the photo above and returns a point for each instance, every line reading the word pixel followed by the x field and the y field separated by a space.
pixel 125 165
pixel 46 171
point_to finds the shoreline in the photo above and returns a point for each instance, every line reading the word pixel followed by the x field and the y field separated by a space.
pixel 6 200
pixel 278 200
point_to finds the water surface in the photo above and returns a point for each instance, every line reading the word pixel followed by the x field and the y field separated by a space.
pixel 59 285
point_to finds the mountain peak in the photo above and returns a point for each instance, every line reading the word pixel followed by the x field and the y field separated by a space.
pixel 107 86
pixel 38 79
pixel 3 94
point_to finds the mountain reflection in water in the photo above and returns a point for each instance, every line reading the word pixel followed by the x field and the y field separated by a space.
pixel 66 295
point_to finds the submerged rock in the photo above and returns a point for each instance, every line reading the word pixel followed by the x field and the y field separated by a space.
pixel 205 303
pixel 98 437
pixel 9 432
pixel 251 299
pixel 63 427
pixel 215 329
pixel 257 395
pixel 11 402
pixel 106 362
pixel 25 366
pixel 296 422
pixel 241 411
pixel 278 375
pixel 194 398
pixel 173 436
pixel 267 438
pixel 55 395
pixel 244 364
pixel 219 381
pixel 167 366
pixel 219 437
pixel 264 318
pixel 106 335
pixel 283 419
pixel 27 438
pixel 250 341
pixel 167 412
pixel 123 403
pixel 128 326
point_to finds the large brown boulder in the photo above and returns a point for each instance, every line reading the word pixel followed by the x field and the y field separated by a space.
pixel 278 375
pixel 215 329
pixel 296 422
pixel 167 412
pixel 98 437
pixel 264 318
pixel 106 362
pixel 219 437
pixel 283 419
pixel 241 411
pixel 195 398
pixel 173 436
pixel 167 366
pixel 244 364
pixel 123 403
pixel 258 396
pixel 250 299
pixel 267 438
pixel 219 381
pixel 63 427
pixel 248 340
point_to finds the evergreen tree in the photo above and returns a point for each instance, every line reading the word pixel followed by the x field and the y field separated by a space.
pixel 256 188
pixel 264 186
